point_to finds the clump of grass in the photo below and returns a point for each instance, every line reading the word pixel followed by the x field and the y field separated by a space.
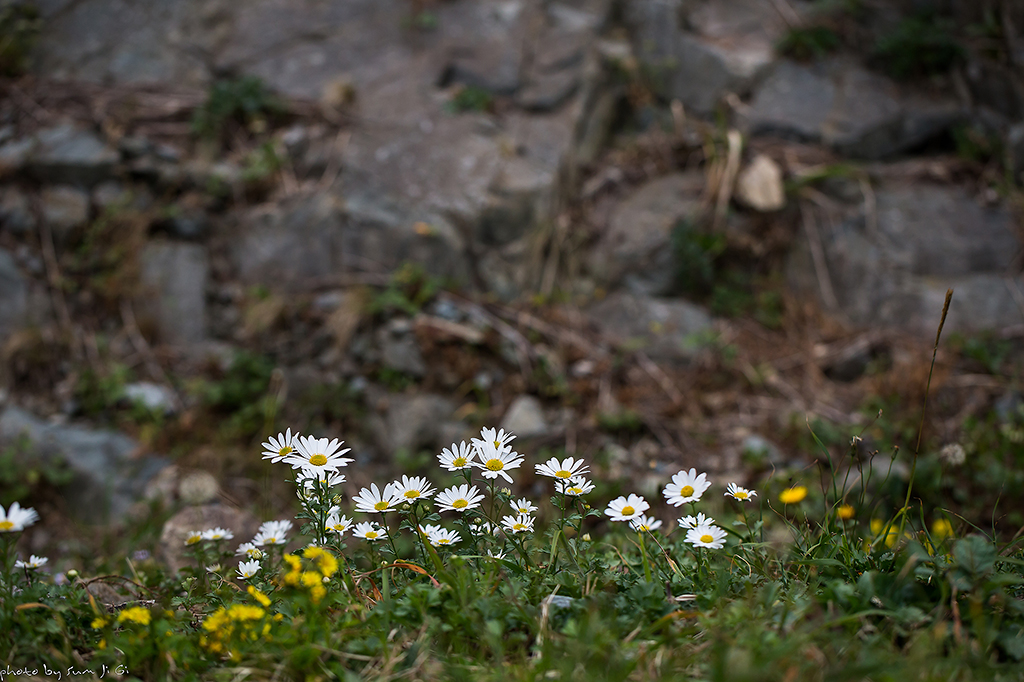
pixel 245 102
pixel 919 46
pixel 808 43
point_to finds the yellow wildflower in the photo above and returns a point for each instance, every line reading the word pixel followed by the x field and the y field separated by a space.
pixel 99 623
pixel 294 562
pixel 793 495
pixel 136 614
pixel 941 529
pixel 845 512
pixel 259 596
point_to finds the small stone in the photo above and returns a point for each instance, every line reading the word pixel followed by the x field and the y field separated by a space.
pixel 175 275
pixel 525 417
pixel 72 155
pixel 153 397
pixel 198 487
pixel 414 422
pixel 759 185
pixel 13 296
pixel 64 208
pixel 15 213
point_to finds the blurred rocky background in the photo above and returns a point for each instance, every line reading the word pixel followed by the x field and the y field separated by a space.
pixel 653 233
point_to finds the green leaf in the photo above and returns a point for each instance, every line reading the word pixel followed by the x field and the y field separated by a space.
pixel 975 555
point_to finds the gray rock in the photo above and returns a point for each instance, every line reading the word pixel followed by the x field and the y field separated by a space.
pixel 401 352
pixel 14 297
pixel 174 277
pixel 759 185
pixel 66 154
pixel 546 92
pixel 15 213
pixel 525 417
pixel 14 154
pixel 64 208
pixel 111 195
pixel 857 112
pixel 1015 151
pixel 153 397
pixel 414 422
pixel 664 328
pixel 110 469
pixel 636 248
pixel 176 554
pixel 730 46
pixel 928 239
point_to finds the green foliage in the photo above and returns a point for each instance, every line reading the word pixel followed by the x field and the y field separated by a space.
pixel 261 164
pixel 23 473
pixel 242 395
pixel 705 271
pixel 975 144
pixel 244 101
pixel 471 98
pixel 98 392
pixel 621 422
pixel 919 46
pixel 19 29
pixel 410 288
pixel 807 43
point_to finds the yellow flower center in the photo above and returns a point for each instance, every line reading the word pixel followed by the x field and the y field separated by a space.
pixel 443 541
pixel 285 451
pixel 318 460
pixel 497 444
pixel 381 506
pixel 644 528
pixel 371 535
pixel 740 495
pixel 495 464
pixel 628 511
pixel 460 504
pixel 191 540
pixel 707 538
pixel 574 491
pixel 686 490
pixel 459 462
pixel 519 526
pixel 562 473
pixel 412 494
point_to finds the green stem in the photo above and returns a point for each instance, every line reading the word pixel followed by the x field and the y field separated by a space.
pixel 643 554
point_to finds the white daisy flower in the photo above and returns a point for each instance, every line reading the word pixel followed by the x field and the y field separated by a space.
pixel 372 500
pixel 316 456
pixel 438 536
pixel 480 527
pixel 575 486
pixel 709 536
pixel 738 493
pixel 247 569
pixel 459 498
pixel 369 531
pixel 33 562
pixel 518 524
pixel 497 440
pixel 459 457
pixel 645 524
pixel 524 506
pixel 331 478
pixel 273 533
pixel 694 521
pixel 16 518
pixel 495 462
pixel 277 449
pixel 338 523
pixel 213 569
pixel 217 534
pixel 564 469
pixel 193 536
pixel 686 486
pixel 626 508
pixel 495 555
pixel 412 488
pixel 250 550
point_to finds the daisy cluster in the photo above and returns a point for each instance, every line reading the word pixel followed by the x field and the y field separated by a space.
pixel 686 487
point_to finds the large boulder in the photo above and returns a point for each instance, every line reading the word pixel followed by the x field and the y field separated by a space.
pixel 174 277
pixel 110 470
pixel 894 271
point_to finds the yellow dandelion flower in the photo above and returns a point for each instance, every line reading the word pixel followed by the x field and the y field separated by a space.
pixel 941 529
pixel 793 495
pixel 294 562
pixel 845 512
pixel 259 596
pixel 99 623
pixel 136 614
